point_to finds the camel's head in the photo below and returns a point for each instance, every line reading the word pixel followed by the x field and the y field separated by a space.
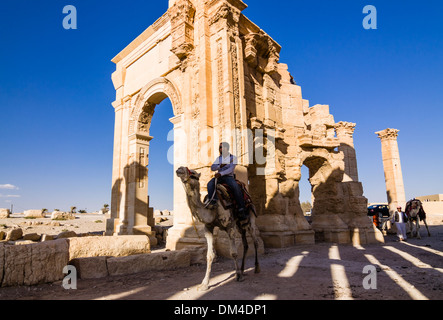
pixel 413 207
pixel 188 176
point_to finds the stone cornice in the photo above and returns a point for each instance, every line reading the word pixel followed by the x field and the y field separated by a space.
pixel 141 38
pixel 240 5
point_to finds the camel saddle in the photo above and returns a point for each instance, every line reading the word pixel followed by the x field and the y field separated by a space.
pixel 227 198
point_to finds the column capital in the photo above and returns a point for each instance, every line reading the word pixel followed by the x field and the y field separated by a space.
pixel 176 120
pixel 343 127
pixel 388 134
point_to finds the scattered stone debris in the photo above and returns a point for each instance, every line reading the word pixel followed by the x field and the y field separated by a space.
pixel 4 213
pixel 14 234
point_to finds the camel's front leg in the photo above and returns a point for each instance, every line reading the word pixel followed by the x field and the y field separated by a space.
pixel 417 228
pixel 234 253
pixel 209 234
pixel 245 249
pixel 411 227
pixel 426 225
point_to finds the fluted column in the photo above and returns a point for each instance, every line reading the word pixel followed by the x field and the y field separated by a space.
pixel 391 163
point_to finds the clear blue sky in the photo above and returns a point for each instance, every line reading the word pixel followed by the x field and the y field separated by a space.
pixel 57 122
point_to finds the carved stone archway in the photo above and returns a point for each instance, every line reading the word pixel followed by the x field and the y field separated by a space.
pixel 131 213
pixel 225 82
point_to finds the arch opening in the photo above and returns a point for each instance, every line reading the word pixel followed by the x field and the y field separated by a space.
pixel 161 157
pixel 155 125
pixel 305 193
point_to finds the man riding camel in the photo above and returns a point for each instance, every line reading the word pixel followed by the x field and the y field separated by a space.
pixel 225 165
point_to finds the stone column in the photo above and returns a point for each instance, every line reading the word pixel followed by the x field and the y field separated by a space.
pixel 182 234
pixel 121 224
pixel 116 177
pixel 391 162
pixel 345 132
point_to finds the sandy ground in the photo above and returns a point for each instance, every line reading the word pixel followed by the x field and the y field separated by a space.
pixel 83 223
pixel 400 271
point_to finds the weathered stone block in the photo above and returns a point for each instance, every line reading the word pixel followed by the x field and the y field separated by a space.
pixel 34 214
pixel 34 263
pixel 60 215
pixel 91 268
pixel 278 239
pixel 147 262
pixel 337 236
pixel 2 262
pixel 32 237
pixel 272 223
pixel 114 246
pixel 17 265
pixel 47 261
pixel 47 237
pixel 66 234
pixel 305 237
pixel 14 234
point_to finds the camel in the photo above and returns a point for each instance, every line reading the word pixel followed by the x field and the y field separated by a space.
pixel 221 218
pixel 414 211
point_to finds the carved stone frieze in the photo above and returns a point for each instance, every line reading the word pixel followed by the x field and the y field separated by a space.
pixel 182 15
pixel 261 52
pixel 227 14
pixel 220 88
pixel 144 121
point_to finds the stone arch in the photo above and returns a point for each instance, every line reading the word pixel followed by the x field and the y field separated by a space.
pixel 325 177
pixel 151 95
pixel 135 216
pixel 221 73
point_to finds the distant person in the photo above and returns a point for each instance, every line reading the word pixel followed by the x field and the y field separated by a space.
pixel 400 219
pixel 376 220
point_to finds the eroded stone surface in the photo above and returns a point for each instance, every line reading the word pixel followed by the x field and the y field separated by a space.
pixel 116 246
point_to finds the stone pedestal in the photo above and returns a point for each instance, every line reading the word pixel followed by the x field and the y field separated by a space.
pixel 330 228
pixel 182 236
pixel 369 235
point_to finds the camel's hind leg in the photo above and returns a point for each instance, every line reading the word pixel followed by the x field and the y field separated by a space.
pixel 234 253
pixel 209 258
pixel 253 232
pixel 245 249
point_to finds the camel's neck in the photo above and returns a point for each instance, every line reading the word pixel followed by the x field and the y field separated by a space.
pixel 197 207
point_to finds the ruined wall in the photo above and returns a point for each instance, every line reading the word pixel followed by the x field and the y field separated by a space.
pixel 223 77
